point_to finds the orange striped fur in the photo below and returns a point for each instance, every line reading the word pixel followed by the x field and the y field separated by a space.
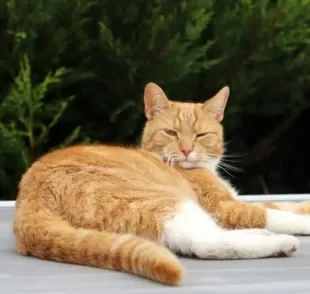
pixel 121 208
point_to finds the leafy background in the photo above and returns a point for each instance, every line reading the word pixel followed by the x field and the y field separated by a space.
pixel 74 71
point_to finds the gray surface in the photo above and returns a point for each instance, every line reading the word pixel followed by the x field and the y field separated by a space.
pixel 20 274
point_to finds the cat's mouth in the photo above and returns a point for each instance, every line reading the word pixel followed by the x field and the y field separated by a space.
pixel 189 161
pixel 194 161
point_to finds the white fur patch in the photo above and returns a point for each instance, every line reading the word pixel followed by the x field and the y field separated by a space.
pixel 189 227
pixel 287 222
pixel 187 164
pixel 192 231
pixel 192 156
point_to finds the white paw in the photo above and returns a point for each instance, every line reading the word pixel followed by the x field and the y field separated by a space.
pixel 284 222
pixel 286 244
pixel 237 245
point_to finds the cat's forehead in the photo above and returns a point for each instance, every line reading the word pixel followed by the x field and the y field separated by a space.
pixel 189 117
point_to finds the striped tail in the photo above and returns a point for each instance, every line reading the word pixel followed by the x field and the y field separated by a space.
pixel 49 237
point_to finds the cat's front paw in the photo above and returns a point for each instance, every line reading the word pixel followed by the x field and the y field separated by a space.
pixel 284 222
pixel 286 245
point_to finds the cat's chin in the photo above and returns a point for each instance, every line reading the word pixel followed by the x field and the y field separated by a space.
pixel 188 164
pixel 210 165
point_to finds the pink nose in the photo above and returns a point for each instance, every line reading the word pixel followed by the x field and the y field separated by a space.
pixel 186 150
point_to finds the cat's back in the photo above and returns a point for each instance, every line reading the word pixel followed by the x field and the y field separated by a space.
pixel 104 157
pixel 115 165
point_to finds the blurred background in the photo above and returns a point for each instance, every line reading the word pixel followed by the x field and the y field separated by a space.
pixel 74 71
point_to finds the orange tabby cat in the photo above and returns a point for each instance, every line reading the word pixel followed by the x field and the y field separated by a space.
pixel 126 209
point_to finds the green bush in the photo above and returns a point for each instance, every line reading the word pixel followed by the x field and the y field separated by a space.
pixel 74 71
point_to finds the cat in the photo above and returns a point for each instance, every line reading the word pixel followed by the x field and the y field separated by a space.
pixel 191 136
pixel 129 209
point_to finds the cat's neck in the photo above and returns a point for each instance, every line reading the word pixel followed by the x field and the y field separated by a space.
pixel 212 166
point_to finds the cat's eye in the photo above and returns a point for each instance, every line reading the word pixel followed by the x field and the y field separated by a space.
pixel 202 134
pixel 170 132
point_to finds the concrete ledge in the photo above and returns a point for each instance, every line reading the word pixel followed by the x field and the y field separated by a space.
pixel 275 197
pixel 27 275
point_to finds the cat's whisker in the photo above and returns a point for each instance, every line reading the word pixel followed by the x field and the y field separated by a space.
pixel 169 161
pixel 170 158
pixel 229 160
pixel 205 157
pixel 167 155
pixel 226 143
pixel 233 155
pixel 172 162
pixel 227 172
pixel 230 167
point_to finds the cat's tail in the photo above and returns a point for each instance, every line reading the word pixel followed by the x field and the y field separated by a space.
pixel 49 237
pixel 299 208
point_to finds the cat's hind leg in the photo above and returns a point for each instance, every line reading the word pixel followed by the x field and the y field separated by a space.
pixel 193 231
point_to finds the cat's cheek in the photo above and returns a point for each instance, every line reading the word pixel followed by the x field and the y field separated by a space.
pixel 215 148
pixel 211 148
pixel 211 140
pixel 209 143
pixel 220 149
pixel 160 141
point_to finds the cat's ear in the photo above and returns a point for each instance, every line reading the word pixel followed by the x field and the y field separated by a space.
pixel 216 105
pixel 155 100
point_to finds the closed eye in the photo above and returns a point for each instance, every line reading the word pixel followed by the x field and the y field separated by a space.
pixel 170 132
pixel 202 134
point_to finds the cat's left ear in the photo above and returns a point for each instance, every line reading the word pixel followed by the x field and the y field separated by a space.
pixel 216 105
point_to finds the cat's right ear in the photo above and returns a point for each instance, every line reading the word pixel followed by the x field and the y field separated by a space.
pixel 216 105
pixel 155 100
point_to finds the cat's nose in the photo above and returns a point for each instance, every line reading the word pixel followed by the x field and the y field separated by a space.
pixel 186 150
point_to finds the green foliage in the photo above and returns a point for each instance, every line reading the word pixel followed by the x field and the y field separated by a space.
pixel 74 71
pixel 26 120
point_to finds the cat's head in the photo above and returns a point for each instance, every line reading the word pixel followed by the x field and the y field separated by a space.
pixel 187 134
